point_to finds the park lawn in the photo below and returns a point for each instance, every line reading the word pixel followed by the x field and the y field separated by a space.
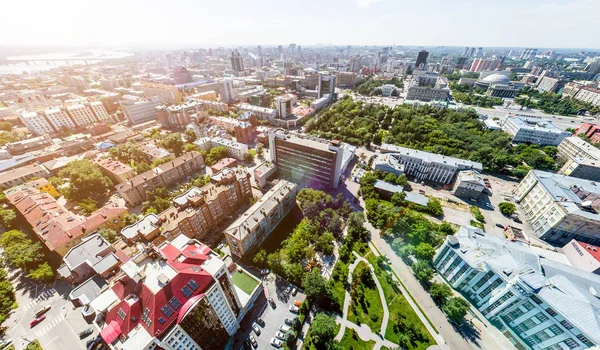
pixel 352 341
pixel 371 313
pixel 397 306
pixel 337 281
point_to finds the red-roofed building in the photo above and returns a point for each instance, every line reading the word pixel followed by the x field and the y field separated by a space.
pixel 57 227
pixel 179 288
pixel 583 256
pixel 589 130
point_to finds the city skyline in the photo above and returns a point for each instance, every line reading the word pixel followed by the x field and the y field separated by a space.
pixel 137 24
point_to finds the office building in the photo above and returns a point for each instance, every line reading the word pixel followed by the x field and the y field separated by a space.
pixel 140 111
pixel 285 104
pixel 346 79
pixel 425 166
pixel 56 226
pixel 468 184
pixel 326 84
pixel 134 191
pixel 576 147
pixel 166 93
pixel 549 84
pixel 481 64
pixel 501 90
pixel 535 300
pixel 115 170
pixel 582 168
pixel 196 213
pixel 583 256
pixel 181 297
pixel 421 58
pixel 589 94
pixel 237 62
pixel 534 130
pixel 559 207
pixel 428 86
pixel 181 75
pixel 306 159
pixel 248 232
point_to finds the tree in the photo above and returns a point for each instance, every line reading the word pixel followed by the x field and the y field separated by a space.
pixel 248 157
pixel 435 207
pixel 507 208
pixel 424 251
pixel 356 229
pixel 189 147
pixel 456 308
pixel 390 177
pixel 173 143
pixel 88 205
pixel 260 150
pixel 12 237
pixel 422 271
pixel 314 285
pixel 108 234
pixel 446 228
pixel 42 273
pixel 86 180
pixel 260 257
pixel 8 218
pixel 402 180
pixel 23 253
pixel 440 292
pixel 399 199
pixel 190 136
pixel 215 155
pixel 322 329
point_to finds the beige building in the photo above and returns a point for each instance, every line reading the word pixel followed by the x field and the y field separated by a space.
pixel 115 170
pixel 576 147
pixel 589 94
pixel 22 175
pixel 166 93
pixel 346 79
pixel 251 229
pixel 134 190
pixel 582 168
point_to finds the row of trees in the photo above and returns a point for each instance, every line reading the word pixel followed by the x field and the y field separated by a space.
pixel 472 99
pixel 552 103
pixel 369 86
pixel 457 133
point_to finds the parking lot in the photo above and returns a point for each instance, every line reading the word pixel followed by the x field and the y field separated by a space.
pixel 272 317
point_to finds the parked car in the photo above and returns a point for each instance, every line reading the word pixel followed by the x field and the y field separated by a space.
pixel 260 321
pixel 276 342
pixel 421 191
pixel 86 333
pixel 5 342
pixel 256 328
pixel 294 309
pixel 42 311
pixel 253 341
pixel 289 321
pixel 90 343
pixel 288 289
pixel 247 344
pixel 272 303
pixel 284 328
pixel 500 225
pixel 294 291
pixel 265 272
pixel 297 303
pixel 37 320
pixel 280 335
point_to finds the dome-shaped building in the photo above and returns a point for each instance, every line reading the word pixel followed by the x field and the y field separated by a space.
pixel 497 85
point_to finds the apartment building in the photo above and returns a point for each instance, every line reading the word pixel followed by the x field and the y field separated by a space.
pixel 537 302
pixel 55 119
pixel 197 212
pixel 180 115
pixel 21 175
pixel 59 228
pixel 248 232
pixel 589 94
pixel 235 149
pixel 534 130
pixel 166 93
pixel 181 297
pixel 262 113
pixel 582 168
pixel 28 145
pixel 346 79
pixel 425 166
pixel 560 208
pixel 576 147
pixel 115 170
pixel 307 159
pixel 140 111
pixel 165 175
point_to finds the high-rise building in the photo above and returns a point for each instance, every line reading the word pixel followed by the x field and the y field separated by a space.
pixel 480 52
pixel 481 64
pixel 237 62
pixel 421 58
pixel 280 50
pixel 325 85
pixel 460 62
pixel 465 52
pixel 259 50
pixel 292 50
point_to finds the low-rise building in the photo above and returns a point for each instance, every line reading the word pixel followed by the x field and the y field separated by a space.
pixel 537 302
pixel 582 168
pixel 591 131
pixel 576 147
pixel 263 172
pixel 534 130
pixel 140 111
pixel 468 184
pixel 560 208
pixel 134 190
pixel 21 175
pixel 235 149
pixel 115 170
pixel 28 145
pixel 425 166
pixel 154 152
pixel 248 232
pixel 40 184
pixel 262 113
pixel 224 163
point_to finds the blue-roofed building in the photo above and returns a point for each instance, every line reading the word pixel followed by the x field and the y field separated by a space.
pixel 536 300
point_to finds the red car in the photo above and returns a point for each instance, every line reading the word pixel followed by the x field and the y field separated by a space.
pixel 36 321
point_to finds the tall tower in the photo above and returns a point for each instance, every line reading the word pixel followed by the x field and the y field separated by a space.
pixel 421 58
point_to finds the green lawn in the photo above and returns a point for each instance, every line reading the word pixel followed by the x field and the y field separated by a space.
pixel 368 309
pixel 339 276
pixel 401 311
pixel 244 282
pixel 352 341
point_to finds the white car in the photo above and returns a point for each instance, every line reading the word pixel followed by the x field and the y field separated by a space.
pixel 284 328
pixel 280 335
pixel 276 342
pixel 256 328
pixel 294 309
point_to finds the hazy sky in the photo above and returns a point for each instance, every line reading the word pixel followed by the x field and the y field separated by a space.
pixel 197 23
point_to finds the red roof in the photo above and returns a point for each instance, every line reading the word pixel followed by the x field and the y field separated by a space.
pixel 593 250
pixel 111 332
pixel 137 297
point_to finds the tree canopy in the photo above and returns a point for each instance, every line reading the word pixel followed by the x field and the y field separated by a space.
pixel 85 180
pixel 173 143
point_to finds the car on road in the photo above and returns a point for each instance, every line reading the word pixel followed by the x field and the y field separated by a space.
pixel 489 205
pixel 256 328
pixel 5 342
pixel 276 342
pixel 294 309
pixel 280 335
pixel 284 328
pixel 288 289
pixel 422 191
pixel 253 341
pixel 272 303
pixel 500 225
pixel 37 320
pixel 42 311
pixel 265 272
pixel 86 333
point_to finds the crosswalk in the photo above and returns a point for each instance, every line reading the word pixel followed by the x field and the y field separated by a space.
pixel 47 325
pixel 45 295
pixel 23 331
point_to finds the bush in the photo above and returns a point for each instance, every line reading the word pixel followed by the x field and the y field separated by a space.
pixel 456 308
pixel 507 208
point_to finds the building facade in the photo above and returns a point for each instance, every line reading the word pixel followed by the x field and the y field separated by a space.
pixel 576 147
pixel 582 168
pixel 534 130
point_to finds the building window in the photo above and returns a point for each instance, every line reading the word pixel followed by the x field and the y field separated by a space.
pixel 186 291
pixel 551 312
pixel 585 340
pixel 121 314
pixel 566 324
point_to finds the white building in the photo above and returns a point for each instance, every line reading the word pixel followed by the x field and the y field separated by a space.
pixel 425 166
pixel 534 130
pixel 140 111
pixel 469 184
pixel 576 147
pixel 538 303
pixel 99 110
pixel 59 119
pixel 260 112
pixel 560 208
pixel 36 123
pixel 583 256
pixel 236 150
pixel 81 114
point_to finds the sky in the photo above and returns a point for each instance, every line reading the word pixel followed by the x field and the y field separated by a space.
pixel 201 23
